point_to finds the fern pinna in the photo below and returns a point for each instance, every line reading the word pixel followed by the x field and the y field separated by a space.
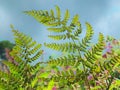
pixel 22 74
pixel 85 59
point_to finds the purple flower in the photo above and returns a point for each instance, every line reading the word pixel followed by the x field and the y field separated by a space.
pixel 74 72
pixel 108 48
pixel 54 88
pixel 90 77
pixel 67 67
pixel 104 56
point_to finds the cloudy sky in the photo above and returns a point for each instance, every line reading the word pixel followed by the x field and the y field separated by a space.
pixel 103 15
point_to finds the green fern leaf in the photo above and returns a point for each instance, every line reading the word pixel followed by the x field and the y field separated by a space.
pixel 58 12
pixel 58 30
pixel 57 37
pixel 66 17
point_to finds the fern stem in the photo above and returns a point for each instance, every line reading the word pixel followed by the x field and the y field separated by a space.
pixel 86 80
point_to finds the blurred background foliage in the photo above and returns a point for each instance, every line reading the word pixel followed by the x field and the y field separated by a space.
pixel 5 44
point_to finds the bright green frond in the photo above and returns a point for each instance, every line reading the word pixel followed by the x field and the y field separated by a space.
pixel 57 37
pixel 75 20
pixel 21 73
pixel 58 30
pixel 64 47
pixel 110 64
pixel 87 38
pixel 92 55
pixel 70 60
pixel 29 51
pixel 58 12
pixel 66 17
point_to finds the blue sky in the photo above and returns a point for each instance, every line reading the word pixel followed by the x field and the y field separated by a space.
pixel 103 15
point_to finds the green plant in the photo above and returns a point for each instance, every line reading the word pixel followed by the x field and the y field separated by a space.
pixel 85 59
pixel 83 67
pixel 22 74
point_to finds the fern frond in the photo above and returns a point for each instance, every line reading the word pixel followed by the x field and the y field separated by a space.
pixel 69 60
pixel 92 55
pixel 68 78
pixel 22 74
pixel 52 13
pixel 87 38
pixel 110 64
pixel 12 67
pixel 25 48
pixel 56 24
pixel 75 20
pixel 79 52
pixel 34 50
pixel 44 17
pixel 58 13
pixel 79 29
pixel 9 81
pixel 57 37
pixel 58 30
pixel 37 55
pixel 65 47
pixel 66 17
pixel 32 44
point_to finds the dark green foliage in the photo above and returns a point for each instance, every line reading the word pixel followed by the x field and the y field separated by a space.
pixel 5 44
